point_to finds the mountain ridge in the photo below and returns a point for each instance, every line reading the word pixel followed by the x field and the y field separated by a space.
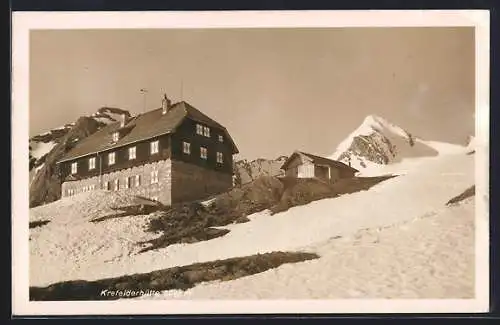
pixel 377 141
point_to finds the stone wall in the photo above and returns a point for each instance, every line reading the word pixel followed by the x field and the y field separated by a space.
pixel 177 182
pixel 191 182
pixel 160 190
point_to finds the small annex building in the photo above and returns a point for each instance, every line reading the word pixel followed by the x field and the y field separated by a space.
pixel 306 165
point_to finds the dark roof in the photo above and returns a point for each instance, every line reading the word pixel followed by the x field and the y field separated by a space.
pixel 318 160
pixel 142 127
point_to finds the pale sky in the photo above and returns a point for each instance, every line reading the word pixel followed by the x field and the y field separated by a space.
pixel 276 90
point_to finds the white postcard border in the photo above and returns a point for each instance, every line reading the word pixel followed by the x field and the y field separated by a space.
pixel 23 22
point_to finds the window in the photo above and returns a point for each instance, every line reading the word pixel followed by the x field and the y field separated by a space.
pixel 107 185
pixel 221 138
pixel 137 180
pixel 116 185
pixel 91 163
pixel 127 182
pixel 206 131
pixel 111 158
pixel 74 168
pixel 116 135
pixel 186 147
pixel 199 129
pixel 202 130
pixel 220 158
pixel 154 177
pixel 154 146
pixel 203 153
pixel 131 153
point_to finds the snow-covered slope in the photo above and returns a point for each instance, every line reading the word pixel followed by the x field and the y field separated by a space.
pixel 429 257
pixel 379 142
pixel 70 247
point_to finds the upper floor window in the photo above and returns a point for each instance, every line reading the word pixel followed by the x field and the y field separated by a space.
pixel 116 136
pixel 220 158
pixel 111 158
pixel 202 130
pixel 154 146
pixel 131 153
pixel 203 153
pixel 186 147
pixel 74 168
pixel 91 163
pixel 199 129
pixel 206 131
pixel 221 138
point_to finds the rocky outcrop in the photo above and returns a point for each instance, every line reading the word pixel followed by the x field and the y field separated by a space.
pixel 46 185
pixel 377 141
pixel 47 148
pixel 247 171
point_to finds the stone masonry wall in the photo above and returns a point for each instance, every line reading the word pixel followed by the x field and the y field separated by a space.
pixel 191 182
pixel 160 190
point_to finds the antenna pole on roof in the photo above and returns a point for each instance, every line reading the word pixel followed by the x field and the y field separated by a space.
pixel 182 89
pixel 143 91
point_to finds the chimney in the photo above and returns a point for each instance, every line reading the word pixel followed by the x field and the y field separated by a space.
pixel 166 104
pixel 122 120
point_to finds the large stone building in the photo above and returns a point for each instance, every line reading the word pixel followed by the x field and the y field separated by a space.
pixel 171 154
pixel 305 165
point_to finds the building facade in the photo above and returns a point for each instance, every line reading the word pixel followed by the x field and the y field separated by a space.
pixel 305 165
pixel 171 154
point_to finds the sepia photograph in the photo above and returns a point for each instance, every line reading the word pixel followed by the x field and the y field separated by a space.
pixel 260 163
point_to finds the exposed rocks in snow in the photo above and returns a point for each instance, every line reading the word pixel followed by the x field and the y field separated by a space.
pixel 38 223
pixel 428 257
pixel 46 148
pixel 194 221
pixel 303 191
pixel 379 142
pixel 246 171
pixel 182 278
pixel 471 191
pixel 46 185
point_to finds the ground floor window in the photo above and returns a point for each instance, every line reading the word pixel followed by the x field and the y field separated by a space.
pixel 154 177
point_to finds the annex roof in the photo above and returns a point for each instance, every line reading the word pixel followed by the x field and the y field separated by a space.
pixel 317 160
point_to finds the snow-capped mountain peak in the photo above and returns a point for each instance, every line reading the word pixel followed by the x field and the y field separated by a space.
pixel 379 142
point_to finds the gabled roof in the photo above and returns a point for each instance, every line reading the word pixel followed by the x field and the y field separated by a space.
pixel 142 127
pixel 317 160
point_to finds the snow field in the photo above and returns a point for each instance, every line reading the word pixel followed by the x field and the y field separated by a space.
pixel 70 247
